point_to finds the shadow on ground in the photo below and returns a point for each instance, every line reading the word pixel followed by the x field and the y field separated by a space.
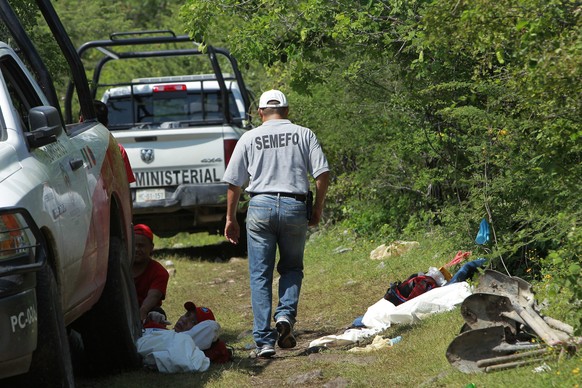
pixel 221 252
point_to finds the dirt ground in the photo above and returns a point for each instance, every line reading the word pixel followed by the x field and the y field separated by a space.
pixel 287 367
pixel 267 372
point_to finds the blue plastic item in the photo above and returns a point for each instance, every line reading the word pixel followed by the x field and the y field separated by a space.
pixel 395 340
pixel 358 322
pixel 483 235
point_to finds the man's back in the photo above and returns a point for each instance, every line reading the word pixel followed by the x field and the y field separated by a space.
pixel 279 156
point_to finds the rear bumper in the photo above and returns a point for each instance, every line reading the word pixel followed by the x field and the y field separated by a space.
pixel 190 209
pixel 183 197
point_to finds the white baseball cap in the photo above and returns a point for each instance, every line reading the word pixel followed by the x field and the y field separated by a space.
pixel 272 96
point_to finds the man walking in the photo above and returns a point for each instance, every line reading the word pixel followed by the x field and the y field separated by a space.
pixel 276 160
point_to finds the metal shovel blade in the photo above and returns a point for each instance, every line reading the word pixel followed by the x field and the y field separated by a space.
pixel 522 298
pixel 494 282
pixel 487 310
pixel 472 346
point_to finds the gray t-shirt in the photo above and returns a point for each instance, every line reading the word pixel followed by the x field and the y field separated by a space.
pixel 278 156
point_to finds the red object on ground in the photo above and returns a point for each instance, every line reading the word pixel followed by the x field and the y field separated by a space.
pixel 459 257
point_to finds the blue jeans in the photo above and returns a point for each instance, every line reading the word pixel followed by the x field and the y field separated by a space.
pixel 273 222
pixel 467 271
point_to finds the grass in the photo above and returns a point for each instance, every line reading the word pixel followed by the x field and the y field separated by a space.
pixel 340 282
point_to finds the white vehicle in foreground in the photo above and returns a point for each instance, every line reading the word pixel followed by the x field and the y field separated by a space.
pixel 179 131
pixel 66 240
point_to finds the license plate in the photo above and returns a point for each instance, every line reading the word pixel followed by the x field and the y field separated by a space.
pixel 147 195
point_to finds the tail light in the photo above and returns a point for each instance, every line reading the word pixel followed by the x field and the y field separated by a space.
pixel 169 88
pixel 228 150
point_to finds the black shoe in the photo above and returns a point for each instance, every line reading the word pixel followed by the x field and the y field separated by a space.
pixel 285 330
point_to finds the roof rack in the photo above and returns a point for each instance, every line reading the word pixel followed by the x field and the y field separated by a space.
pixel 148 38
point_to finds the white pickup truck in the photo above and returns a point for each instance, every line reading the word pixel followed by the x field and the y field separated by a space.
pixel 179 130
pixel 66 235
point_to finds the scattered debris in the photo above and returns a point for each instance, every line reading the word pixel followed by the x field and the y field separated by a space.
pixel 341 250
pixel 503 328
pixel 378 343
pixel 169 265
pixel 397 248
pixel 542 368
pixel 458 259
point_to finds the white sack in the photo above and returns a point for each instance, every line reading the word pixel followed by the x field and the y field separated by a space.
pixel 383 313
pixel 378 315
pixel 204 333
pixel 439 299
pixel 171 352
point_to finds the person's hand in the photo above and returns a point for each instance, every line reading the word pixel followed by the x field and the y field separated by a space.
pixel 232 231
pixel 157 317
pixel 315 217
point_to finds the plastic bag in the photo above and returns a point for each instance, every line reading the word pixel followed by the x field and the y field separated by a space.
pixel 437 275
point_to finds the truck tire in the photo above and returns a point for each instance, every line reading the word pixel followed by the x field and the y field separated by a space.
pixel 51 364
pixel 111 328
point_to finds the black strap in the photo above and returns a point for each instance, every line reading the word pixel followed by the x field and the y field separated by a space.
pixel 298 197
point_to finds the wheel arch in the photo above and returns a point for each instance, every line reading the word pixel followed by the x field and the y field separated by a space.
pixel 52 257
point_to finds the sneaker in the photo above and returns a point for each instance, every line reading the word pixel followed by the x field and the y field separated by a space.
pixel 285 330
pixel 265 351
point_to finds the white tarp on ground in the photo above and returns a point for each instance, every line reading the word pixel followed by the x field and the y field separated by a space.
pixel 382 314
pixel 171 352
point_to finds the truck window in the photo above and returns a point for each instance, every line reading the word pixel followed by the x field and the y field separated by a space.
pixel 20 90
pixel 190 108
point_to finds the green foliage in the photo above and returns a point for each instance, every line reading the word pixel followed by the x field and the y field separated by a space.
pixel 46 46
pixel 563 274
pixel 105 18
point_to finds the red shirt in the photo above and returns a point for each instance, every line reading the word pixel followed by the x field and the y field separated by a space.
pixel 155 277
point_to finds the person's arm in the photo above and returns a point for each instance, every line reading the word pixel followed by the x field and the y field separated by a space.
pixel 152 299
pixel 232 228
pixel 321 185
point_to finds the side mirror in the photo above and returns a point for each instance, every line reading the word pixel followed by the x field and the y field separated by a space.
pixel 45 125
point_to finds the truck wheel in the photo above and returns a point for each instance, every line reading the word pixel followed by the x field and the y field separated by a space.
pixel 51 361
pixel 112 327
